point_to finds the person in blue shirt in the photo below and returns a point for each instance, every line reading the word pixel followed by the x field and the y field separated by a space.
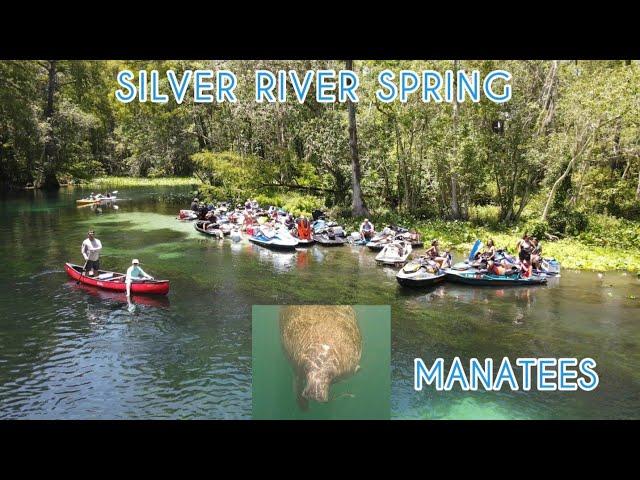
pixel 134 272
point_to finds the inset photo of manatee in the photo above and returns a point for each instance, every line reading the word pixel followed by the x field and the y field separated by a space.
pixel 321 362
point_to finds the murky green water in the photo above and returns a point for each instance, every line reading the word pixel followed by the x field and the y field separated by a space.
pixel 73 352
pixel 362 396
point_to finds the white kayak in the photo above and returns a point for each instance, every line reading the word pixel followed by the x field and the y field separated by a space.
pixel 395 253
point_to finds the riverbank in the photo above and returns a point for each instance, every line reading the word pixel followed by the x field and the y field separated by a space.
pixel 570 252
pixel 121 182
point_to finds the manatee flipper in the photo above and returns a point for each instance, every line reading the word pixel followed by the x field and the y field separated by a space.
pixel 345 394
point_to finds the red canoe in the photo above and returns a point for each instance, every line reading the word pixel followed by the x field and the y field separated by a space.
pixel 157 287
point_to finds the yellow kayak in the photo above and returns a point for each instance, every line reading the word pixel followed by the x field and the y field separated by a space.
pixel 86 201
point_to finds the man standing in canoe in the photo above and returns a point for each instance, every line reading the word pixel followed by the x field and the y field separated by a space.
pixel 91 252
pixel 134 272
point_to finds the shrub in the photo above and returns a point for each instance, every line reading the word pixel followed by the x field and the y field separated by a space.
pixel 538 228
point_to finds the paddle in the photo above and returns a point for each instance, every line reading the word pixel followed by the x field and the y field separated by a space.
pixel 82 274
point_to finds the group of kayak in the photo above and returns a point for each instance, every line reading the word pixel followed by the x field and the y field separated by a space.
pixel 486 266
pixel 276 229
pixel 272 227
pixel 98 198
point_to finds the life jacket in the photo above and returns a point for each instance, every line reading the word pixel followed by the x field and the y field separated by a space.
pixel 304 229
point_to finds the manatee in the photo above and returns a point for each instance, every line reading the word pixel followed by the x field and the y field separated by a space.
pixel 323 344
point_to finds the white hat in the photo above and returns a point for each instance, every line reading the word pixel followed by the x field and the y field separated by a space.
pixel 134 261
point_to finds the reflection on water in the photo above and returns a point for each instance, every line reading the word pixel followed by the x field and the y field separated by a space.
pixel 69 351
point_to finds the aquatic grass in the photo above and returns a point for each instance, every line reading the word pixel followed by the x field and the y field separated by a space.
pixel 122 182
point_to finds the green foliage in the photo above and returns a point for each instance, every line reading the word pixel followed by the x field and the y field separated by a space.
pixel 606 231
pixel 537 228
pixel 418 159
pixel 227 175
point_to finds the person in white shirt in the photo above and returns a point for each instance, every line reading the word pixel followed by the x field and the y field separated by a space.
pixel 367 230
pixel 134 272
pixel 91 252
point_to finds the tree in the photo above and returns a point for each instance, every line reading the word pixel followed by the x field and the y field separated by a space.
pixel 358 206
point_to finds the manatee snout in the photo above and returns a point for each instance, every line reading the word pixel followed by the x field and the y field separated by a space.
pixel 317 387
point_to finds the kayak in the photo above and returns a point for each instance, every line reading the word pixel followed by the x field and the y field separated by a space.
pixel 395 253
pixel 326 241
pixel 279 239
pixel 550 267
pixel 305 242
pixel 474 277
pixel 158 301
pixel 89 201
pixel 408 237
pixel 187 215
pixel 115 281
pixel 379 241
pixel 201 226
pixel 418 274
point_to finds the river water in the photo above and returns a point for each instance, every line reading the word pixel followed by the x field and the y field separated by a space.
pixel 70 352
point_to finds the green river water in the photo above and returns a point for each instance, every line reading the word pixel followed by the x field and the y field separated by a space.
pixel 73 352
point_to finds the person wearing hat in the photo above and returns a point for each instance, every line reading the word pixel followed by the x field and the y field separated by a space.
pixel 134 273
pixel 90 250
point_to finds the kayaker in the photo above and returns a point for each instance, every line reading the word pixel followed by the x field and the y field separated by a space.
pixel 536 253
pixel 524 247
pixel 135 273
pixel 525 269
pixel 500 268
pixel 495 269
pixel 432 251
pixel 366 229
pixel 489 251
pixel 90 250
pixel 303 228
pixel 195 206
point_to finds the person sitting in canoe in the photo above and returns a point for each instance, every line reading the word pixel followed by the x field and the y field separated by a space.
pixel 367 230
pixel 135 273
pixel 90 250
pixel 195 205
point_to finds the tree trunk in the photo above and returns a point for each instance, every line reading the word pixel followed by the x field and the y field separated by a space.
pixel 455 207
pixel 50 180
pixel 638 189
pixel 358 206
pixel 557 183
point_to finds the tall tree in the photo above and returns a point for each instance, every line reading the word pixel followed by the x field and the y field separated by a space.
pixel 455 205
pixel 49 178
pixel 358 206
